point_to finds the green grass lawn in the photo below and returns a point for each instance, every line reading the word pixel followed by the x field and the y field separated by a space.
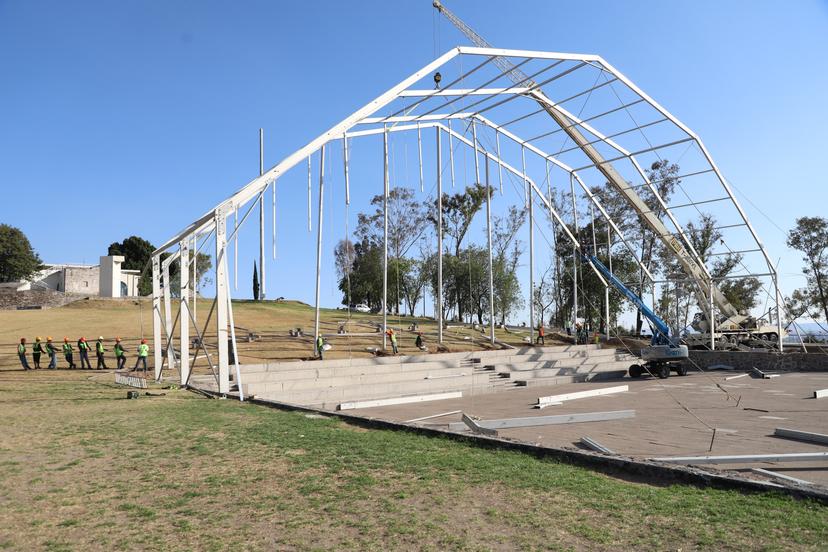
pixel 81 468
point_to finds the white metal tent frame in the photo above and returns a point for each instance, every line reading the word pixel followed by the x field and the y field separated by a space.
pixel 482 98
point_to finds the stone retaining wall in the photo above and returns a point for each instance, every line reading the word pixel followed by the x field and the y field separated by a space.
pixel 802 362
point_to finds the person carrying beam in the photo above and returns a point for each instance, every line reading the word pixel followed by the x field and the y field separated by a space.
pixel 21 354
pixel 83 353
pixel 68 353
pixel 99 352
pixel 37 349
pixel 120 354
pixel 52 352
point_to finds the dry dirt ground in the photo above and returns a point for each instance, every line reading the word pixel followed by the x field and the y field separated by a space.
pixel 84 468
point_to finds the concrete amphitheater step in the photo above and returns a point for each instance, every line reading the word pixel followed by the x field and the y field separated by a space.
pixel 331 396
pixel 312 372
pixel 399 376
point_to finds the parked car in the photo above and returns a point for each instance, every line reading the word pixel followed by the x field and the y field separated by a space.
pixel 362 307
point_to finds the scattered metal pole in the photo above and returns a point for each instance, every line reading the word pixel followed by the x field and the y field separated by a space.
pixel 262 279
pixel 185 283
pixel 385 240
pixel 221 302
pixel 156 315
pixel 319 241
pixel 489 243
pixel 440 238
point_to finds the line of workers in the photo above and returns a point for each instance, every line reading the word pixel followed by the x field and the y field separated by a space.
pixel 51 350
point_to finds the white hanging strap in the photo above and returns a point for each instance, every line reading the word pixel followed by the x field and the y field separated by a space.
pixel 274 219
pixel 420 156
pixel 525 180
pixel 347 177
pixel 235 250
pixel 451 154
pixel 499 164
pixel 309 193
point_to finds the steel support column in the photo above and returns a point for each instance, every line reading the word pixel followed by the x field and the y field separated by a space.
pixel 262 279
pixel 574 259
pixel 157 348
pixel 184 336
pixel 165 276
pixel 489 244
pixel 319 244
pixel 385 185
pixel 439 238
pixel 221 302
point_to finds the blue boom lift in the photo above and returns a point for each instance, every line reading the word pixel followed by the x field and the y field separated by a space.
pixel 665 353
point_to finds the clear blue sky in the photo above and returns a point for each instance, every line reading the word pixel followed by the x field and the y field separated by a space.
pixel 120 118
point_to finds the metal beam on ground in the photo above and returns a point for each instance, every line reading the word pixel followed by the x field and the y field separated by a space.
pixel 799 435
pixel 550 420
pixel 371 403
pixel 592 444
pixel 583 394
pixel 745 458
pixel 783 477
pixel 476 427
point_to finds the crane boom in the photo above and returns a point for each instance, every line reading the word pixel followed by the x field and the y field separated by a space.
pixel 703 287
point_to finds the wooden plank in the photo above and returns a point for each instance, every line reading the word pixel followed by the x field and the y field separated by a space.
pixel 477 428
pixel 549 420
pixel 440 415
pixel 797 435
pixel 783 477
pixel 583 394
pixel 400 400
pixel 736 377
pixel 820 393
pixel 745 458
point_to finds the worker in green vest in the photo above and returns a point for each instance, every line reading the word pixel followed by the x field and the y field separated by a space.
pixel 52 352
pixel 393 336
pixel 83 353
pixel 120 354
pixel 21 353
pixel 67 353
pixel 37 349
pixel 320 346
pixel 143 353
pixel 99 353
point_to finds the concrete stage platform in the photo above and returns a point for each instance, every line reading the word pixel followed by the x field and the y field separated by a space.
pixel 745 421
